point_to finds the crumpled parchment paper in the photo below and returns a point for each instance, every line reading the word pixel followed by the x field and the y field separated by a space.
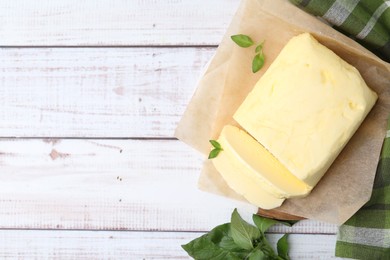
pixel 228 79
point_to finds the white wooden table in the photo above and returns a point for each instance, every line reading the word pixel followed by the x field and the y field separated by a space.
pixel 91 92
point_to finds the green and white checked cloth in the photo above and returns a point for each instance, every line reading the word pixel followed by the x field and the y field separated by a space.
pixel 367 234
pixel 366 21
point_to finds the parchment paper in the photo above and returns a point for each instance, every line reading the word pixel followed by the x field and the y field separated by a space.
pixel 228 79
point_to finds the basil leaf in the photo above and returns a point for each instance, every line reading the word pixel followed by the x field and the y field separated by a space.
pixel 258 62
pixel 265 223
pixel 217 234
pixel 203 248
pixel 257 255
pixel 229 244
pixel 282 247
pixel 215 144
pixel 222 237
pixel 242 40
pixel 209 246
pixel 243 233
pixel 214 153
pixel 268 250
pixel 259 47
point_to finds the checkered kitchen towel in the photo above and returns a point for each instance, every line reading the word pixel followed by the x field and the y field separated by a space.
pixel 367 234
pixel 366 21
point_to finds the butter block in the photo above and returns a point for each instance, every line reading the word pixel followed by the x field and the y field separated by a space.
pixel 250 170
pixel 232 164
pixel 306 107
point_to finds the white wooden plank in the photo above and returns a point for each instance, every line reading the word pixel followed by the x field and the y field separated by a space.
pixel 31 244
pixel 112 185
pixel 106 92
pixel 113 22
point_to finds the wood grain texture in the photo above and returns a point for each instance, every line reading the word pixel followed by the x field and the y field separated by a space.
pixel 132 245
pixel 112 185
pixel 114 22
pixel 106 92
pixel 110 199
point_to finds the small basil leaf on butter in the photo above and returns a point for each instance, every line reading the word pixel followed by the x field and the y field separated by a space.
pixel 282 247
pixel 217 149
pixel 214 153
pixel 243 233
pixel 215 144
pixel 242 40
pixel 258 62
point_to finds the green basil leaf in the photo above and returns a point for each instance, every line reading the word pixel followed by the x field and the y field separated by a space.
pixel 282 247
pixel 258 62
pixel 259 47
pixel 242 40
pixel 219 232
pixel 257 255
pixel 214 153
pixel 265 223
pixel 209 246
pixel 215 144
pixel 222 237
pixel 203 248
pixel 243 233
pixel 229 244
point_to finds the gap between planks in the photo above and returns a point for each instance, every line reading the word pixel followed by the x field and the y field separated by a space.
pixel 112 185
pixel 113 93
pixel 55 138
pixel 135 245
pixel 105 46
pixel 272 231
pixel 119 22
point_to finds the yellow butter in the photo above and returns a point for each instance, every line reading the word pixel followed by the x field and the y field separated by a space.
pixel 250 170
pixel 306 107
pixel 232 164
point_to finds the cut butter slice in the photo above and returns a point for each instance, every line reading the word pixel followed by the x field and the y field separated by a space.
pixel 251 171
pixel 306 107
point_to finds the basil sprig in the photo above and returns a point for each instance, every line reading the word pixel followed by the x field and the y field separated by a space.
pixel 242 40
pixel 217 149
pixel 245 41
pixel 239 240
